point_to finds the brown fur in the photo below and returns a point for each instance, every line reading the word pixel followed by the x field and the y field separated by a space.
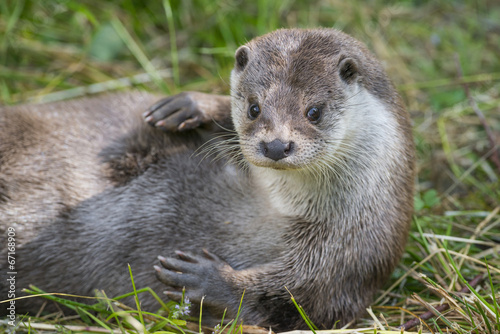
pixel 49 156
pixel 328 220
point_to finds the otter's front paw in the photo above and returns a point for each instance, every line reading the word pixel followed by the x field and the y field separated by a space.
pixel 176 113
pixel 200 275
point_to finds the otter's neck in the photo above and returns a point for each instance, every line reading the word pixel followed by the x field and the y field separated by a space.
pixel 299 194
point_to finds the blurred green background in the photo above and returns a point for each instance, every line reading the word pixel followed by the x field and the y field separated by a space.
pixel 58 44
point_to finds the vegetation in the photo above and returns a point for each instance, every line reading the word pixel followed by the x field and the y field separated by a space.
pixel 443 56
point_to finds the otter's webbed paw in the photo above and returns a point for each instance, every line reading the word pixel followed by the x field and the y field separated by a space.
pixel 200 275
pixel 176 113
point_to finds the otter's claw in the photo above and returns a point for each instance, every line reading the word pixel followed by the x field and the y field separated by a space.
pixel 196 273
pixel 175 113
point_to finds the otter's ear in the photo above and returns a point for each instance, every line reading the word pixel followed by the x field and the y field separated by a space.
pixel 242 56
pixel 348 70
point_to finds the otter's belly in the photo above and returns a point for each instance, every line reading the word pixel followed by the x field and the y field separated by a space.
pixel 189 203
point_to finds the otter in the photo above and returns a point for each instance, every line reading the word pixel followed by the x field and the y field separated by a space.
pixel 300 182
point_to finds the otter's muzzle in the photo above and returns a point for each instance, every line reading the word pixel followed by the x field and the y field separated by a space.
pixel 276 149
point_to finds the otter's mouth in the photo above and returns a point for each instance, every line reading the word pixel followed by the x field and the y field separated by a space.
pixel 282 164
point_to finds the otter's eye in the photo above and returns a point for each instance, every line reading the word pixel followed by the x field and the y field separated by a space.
pixel 313 115
pixel 253 111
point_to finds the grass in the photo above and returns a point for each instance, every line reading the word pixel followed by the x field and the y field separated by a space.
pixel 60 49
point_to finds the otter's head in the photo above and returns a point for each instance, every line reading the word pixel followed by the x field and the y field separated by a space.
pixel 293 93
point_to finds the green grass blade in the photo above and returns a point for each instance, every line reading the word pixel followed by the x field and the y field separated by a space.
pixel 469 313
pixel 485 317
pixel 136 298
pixel 143 290
pixel 464 281
pixel 437 326
pixel 66 302
pixel 139 54
pixel 201 312
pixel 494 298
pixel 235 321
pixel 173 41
pixel 97 320
pixel 423 239
pixel 303 314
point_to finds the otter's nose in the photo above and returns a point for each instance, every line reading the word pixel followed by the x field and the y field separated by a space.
pixel 276 149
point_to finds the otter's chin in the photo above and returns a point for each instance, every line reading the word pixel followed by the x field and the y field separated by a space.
pixel 277 165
